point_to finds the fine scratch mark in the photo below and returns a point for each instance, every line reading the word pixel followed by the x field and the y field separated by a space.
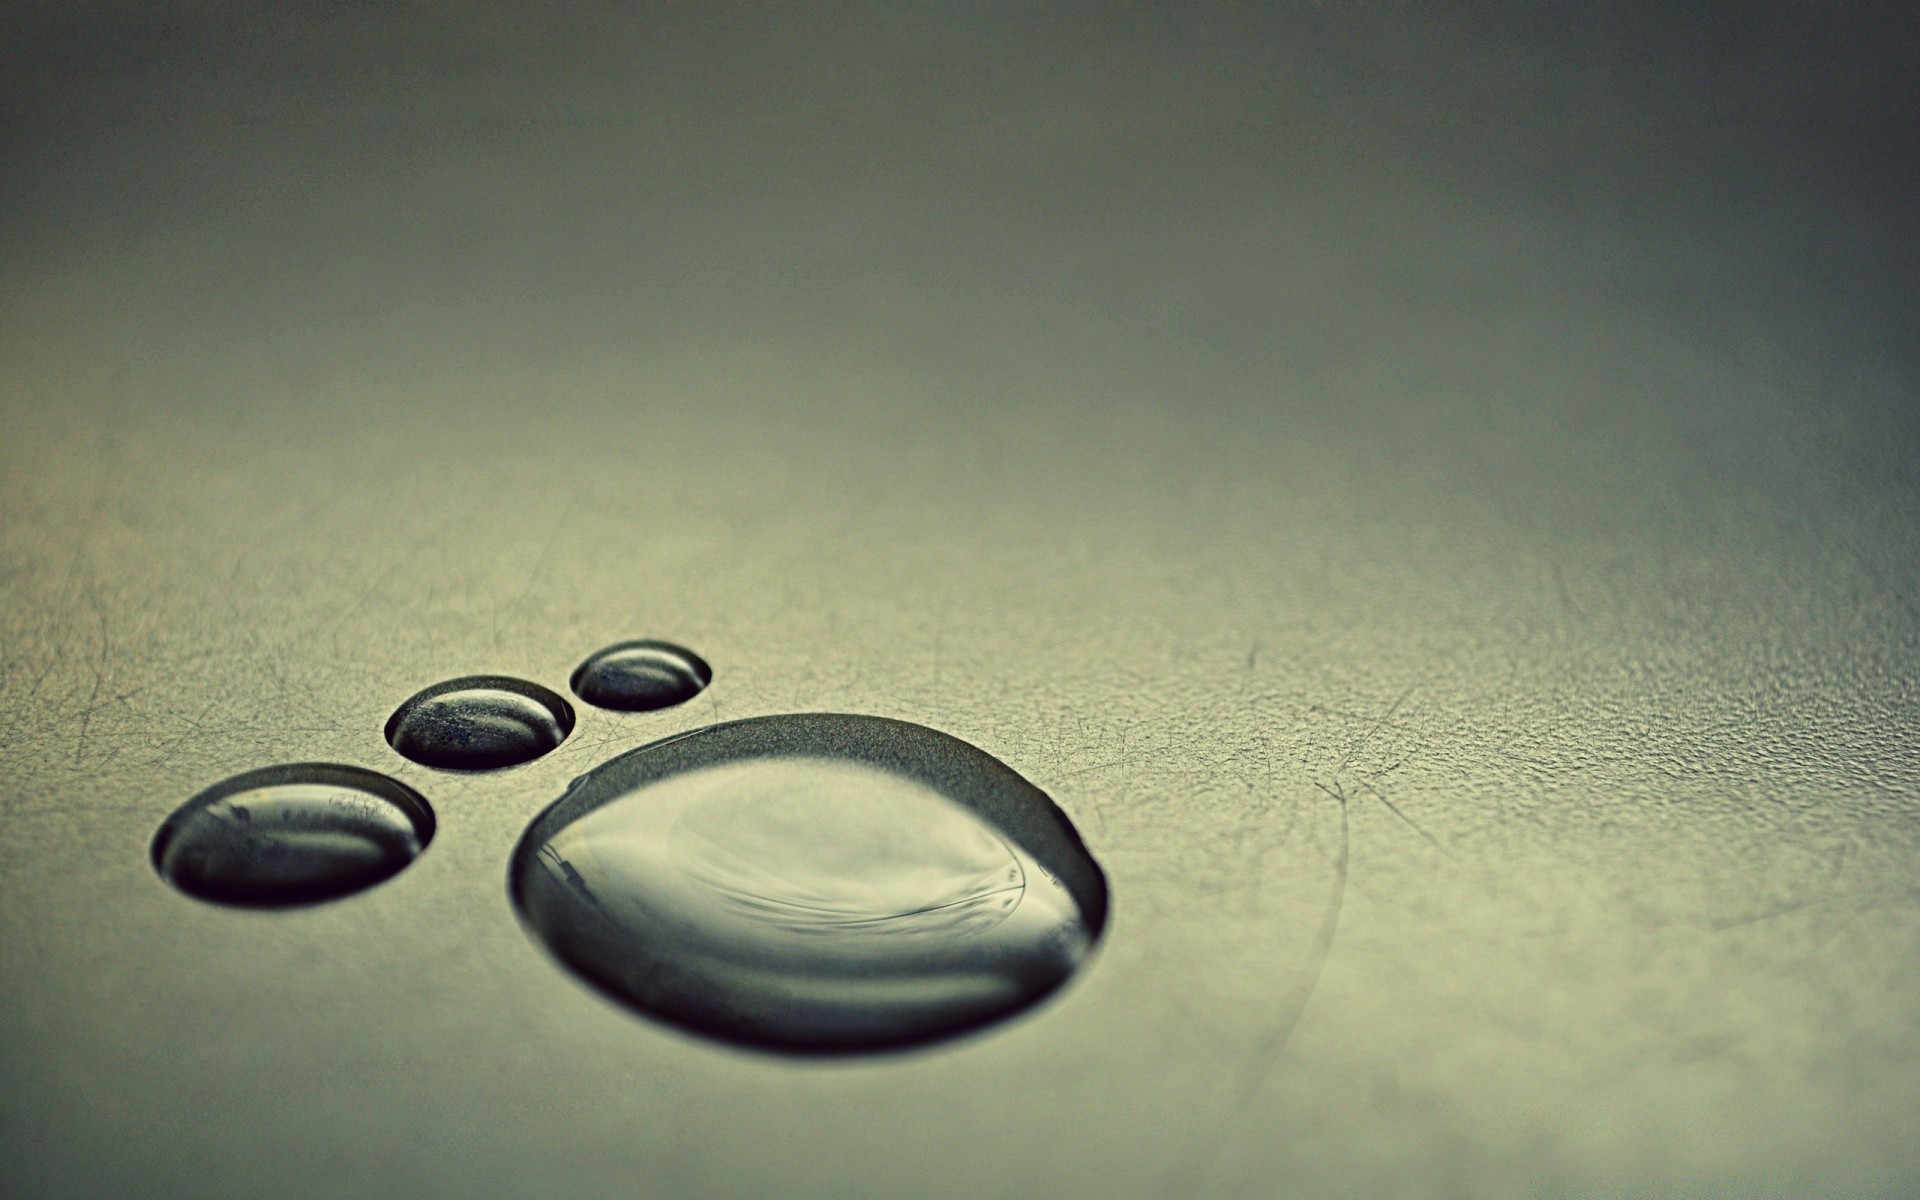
pixel 1366 737
pixel 1253 654
pixel 1361 718
pixel 392 568
pixel 1395 810
pixel 1566 593
pixel 1723 924
pixel 1187 1177
pixel 534 578
pixel 333 631
pixel 1874 573
pixel 67 586
pixel 99 677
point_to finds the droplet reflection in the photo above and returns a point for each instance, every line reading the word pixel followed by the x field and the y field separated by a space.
pixel 641 676
pixel 292 835
pixel 813 883
pixel 479 722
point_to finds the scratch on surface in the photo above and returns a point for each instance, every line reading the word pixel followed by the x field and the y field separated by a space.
pixel 1566 593
pixel 1372 729
pixel 380 580
pixel 1725 923
pixel 534 578
pixel 67 586
pixel 333 632
pixel 1887 587
pixel 1187 1176
pixel 1364 718
pixel 195 725
pixel 99 676
pixel 1395 810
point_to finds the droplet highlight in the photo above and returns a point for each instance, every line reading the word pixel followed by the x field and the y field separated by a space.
pixel 812 883
pixel 641 676
pixel 292 835
pixel 479 723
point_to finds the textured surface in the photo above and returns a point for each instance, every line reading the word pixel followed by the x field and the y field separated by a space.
pixel 1432 498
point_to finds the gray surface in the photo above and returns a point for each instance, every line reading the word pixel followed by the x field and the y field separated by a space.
pixel 1431 497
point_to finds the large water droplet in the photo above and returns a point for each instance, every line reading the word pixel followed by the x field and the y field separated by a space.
pixel 479 722
pixel 288 835
pixel 812 883
pixel 641 676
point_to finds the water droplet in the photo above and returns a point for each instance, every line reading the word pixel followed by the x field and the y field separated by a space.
pixel 289 835
pixel 812 883
pixel 479 722
pixel 641 676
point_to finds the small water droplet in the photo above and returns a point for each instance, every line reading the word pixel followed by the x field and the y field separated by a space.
pixel 290 835
pixel 641 676
pixel 479 722
pixel 812 883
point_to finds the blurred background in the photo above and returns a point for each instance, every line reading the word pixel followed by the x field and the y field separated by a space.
pixel 1429 489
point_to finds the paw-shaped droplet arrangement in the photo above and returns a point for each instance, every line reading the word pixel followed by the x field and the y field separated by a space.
pixel 810 883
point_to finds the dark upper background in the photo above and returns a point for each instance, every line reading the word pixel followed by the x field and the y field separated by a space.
pixel 1430 489
pixel 790 156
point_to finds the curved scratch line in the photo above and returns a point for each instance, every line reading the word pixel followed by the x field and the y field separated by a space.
pixel 1187 1177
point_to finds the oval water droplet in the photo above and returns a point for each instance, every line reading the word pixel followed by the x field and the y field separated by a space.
pixel 812 883
pixel 479 722
pixel 641 676
pixel 289 835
